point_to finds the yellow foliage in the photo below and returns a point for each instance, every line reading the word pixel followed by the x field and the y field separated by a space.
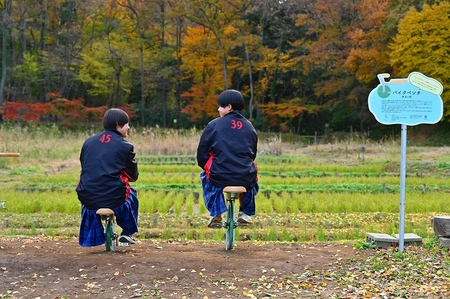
pixel 422 45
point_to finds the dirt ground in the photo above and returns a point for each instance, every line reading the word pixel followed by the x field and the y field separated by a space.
pixel 49 268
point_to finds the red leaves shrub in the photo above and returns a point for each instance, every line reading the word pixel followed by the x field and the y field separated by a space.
pixel 66 112
pixel 27 112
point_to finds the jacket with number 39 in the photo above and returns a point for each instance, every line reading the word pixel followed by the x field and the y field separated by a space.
pixel 227 150
pixel 107 165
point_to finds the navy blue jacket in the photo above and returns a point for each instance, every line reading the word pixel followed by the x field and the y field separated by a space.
pixel 227 150
pixel 107 165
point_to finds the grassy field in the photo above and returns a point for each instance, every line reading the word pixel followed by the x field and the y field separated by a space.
pixel 309 192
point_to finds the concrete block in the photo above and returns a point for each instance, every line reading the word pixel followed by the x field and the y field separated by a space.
pixel 445 242
pixel 441 225
pixel 381 240
pixel 410 239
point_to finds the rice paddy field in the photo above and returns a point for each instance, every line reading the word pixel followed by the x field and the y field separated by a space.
pixel 335 191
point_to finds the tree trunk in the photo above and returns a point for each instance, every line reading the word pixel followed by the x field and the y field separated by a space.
pixel 273 85
pixel 250 77
pixel 178 70
pixel 141 49
pixel 5 33
pixel 3 80
pixel 163 44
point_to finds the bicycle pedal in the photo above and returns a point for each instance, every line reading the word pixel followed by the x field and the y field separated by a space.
pixel 242 223
pixel 123 244
pixel 216 225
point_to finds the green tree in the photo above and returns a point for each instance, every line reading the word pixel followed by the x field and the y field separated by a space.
pixel 105 71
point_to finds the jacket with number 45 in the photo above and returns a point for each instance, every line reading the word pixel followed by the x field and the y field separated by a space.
pixel 107 165
pixel 227 150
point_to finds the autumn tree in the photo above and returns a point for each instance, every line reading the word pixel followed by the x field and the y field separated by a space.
pixel 421 45
pixel 328 23
pixel 299 64
pixel 368 55
pixel 199 55
pixel 397 10
pixel 217 16
pixel 284 115
pixel 271 33
pixel 248 54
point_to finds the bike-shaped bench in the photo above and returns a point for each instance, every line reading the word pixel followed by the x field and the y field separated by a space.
pixel 111 237
pixel 230 224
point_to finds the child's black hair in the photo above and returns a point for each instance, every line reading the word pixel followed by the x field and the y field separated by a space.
pixel 115 117
pixel 231 97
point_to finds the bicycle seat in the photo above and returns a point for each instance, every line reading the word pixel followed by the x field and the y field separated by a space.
pixel 105 211
pixel 234 189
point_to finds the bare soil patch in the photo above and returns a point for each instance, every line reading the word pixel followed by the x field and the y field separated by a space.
pixel 51 268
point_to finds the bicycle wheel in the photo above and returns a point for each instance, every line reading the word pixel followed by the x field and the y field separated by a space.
pixel 109 232
pixel 229 242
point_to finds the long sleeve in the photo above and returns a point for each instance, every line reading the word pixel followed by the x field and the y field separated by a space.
pixel 131 166
pixel 204 146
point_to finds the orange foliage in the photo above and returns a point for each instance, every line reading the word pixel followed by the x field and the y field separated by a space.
pixel 327 24
pixel 95 112
pixel 201 54
pixel 282 113
pixel 289 109
pixel 53 95
pixel 369 41
pixel 202 102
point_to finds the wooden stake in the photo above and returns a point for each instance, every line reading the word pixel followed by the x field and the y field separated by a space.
pixel 9 154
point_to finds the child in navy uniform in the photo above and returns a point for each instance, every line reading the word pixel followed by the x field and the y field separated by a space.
pixel 107 166
pixel 226 153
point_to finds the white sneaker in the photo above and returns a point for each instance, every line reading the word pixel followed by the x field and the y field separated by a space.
pixel 127 239
pixel 215 221
pixel 244 219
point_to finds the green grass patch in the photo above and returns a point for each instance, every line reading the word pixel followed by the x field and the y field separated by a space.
pixel 315 193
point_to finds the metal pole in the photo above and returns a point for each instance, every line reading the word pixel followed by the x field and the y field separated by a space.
pixel 401 235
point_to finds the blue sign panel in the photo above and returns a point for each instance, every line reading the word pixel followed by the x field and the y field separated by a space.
pixel 412 101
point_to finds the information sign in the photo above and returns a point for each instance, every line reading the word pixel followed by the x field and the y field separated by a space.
pixel 411 101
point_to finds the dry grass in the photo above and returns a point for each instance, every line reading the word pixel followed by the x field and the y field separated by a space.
pixel 49 146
